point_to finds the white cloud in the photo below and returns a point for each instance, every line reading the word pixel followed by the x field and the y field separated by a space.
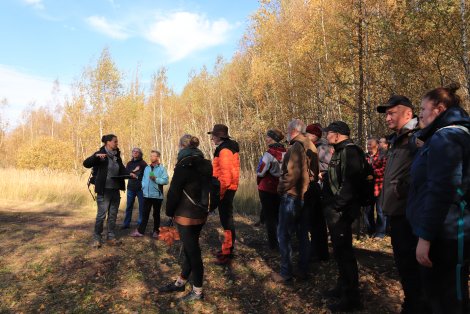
pixel 22 89
pixel 37 4
pixel 183 33
pixel 113 30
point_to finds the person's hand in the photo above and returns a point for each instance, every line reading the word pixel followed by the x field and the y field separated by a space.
pixel 136 169
pixel 422 253
pixel 152 178
pixel 133 175
pixel 101 156
pixel 320 176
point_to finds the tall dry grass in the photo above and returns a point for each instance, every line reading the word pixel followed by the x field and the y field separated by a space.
pixel 44 186
pixel 69 189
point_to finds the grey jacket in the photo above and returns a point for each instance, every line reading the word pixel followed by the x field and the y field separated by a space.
pixel 396 184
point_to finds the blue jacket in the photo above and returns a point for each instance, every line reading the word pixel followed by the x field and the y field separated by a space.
pixel 441 166
pixel 151 188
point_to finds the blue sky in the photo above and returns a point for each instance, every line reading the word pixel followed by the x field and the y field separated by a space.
pixel 44 40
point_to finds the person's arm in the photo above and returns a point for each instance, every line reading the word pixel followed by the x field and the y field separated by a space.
pixel 444 176
pixel 348 190
pixel 225 176
pixel 175 192
pixel 264 165
pixel 162 179
pixel 92 161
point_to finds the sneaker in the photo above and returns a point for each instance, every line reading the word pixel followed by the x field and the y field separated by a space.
pixel 136 234
pixel 155 234
pixel 345 305
pixel 332 293
pixel 171 287
pixel 191 296
pixel 96 244
pixel 278 278
pixel 223 259
pixel 113 242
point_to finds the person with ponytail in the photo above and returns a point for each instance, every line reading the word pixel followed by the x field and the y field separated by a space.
pixel 108 171
pixel 191 176
pixel 437 207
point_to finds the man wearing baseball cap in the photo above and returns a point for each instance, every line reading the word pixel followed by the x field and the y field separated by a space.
pixel 341 208
pixel 398 112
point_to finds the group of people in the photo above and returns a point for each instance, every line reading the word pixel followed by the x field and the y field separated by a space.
pixel 312 184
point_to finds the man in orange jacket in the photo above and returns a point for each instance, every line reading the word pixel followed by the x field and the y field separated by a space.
pixel 226 168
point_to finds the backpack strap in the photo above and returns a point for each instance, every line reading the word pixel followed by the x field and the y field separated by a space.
pixel 456 126
pixel 460 243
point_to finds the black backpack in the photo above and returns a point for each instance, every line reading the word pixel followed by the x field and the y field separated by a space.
pixel 210 186
pixel 366 183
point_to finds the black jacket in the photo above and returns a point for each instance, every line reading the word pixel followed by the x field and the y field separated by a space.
pixel 344 179
pixel 100 170
pixel 187 177
pixel 136 184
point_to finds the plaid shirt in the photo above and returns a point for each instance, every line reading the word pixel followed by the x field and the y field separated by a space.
pixel 378 162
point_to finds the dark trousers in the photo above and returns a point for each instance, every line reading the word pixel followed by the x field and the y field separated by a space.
pixel 341 239
pixel 270 207
pixel 404 251
pixel 108 205
pixel 192 261
pixel 375 227
pixel 156 203
pixel 440 281
pixel 318 230
pixel 131 195
pixel 226 214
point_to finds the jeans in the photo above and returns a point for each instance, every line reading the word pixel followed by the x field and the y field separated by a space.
pixel 131 195
pixel 226 214
pixel 288 225
pixel 270 208
pixel 156 203
pixel 108 205
pixel 192 260
pixel 404 244
pixel 375 227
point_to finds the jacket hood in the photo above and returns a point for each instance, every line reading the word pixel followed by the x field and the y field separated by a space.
pixel 230 144
pixel 452 116
pixel 277 150
pixel 186 152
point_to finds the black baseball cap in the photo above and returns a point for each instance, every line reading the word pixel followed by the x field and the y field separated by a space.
pixel 393 101
pixel 338 127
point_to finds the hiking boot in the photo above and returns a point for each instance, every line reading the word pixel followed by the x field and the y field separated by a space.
pixel 191 296
pixel 136 234
pixel 96 244
pixel 278 278
pixel 171 287
pixel 223 259
pixel 155 235
pixel 113 242
pixel 345 305
pixel 332 293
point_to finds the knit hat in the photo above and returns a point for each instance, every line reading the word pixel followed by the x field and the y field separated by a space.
pixel 275 134
pixel 314 129
pixel 338 127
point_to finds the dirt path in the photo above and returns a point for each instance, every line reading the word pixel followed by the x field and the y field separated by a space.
pixel 47 265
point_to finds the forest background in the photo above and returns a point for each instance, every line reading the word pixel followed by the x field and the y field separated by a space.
pixel 315 60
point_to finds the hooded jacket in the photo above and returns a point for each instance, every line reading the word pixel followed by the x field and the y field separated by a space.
pixel 299 167
pixel 226 166
pixel 269 170
pixel 396 180
pixel 441 166
pixel 189 170
pixel 100 170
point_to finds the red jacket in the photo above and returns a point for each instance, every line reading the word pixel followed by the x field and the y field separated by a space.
pixel 378 162
pixel 226 165
pixel 269 168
